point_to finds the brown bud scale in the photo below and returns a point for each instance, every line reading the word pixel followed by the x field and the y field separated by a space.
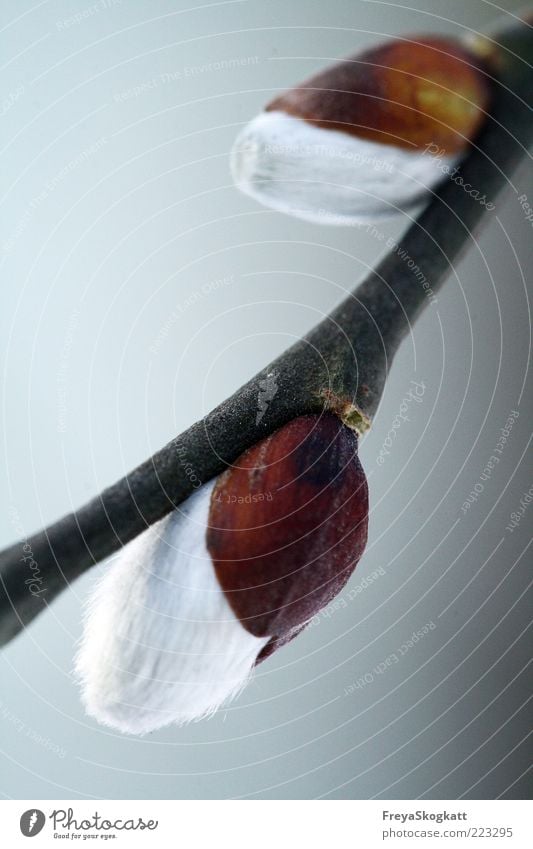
pixel 408 93
pixel 288 524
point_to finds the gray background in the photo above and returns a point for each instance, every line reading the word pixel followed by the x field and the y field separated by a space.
pixel 110 346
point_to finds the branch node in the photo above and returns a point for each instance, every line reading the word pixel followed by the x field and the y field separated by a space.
pixel 348 412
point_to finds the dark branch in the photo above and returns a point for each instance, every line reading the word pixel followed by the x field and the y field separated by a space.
pixel 342 364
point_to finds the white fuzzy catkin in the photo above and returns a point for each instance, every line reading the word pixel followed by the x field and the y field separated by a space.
pixel 328 176
pixel 161 644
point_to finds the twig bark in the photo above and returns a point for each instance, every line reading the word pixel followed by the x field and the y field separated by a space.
pixel 342 365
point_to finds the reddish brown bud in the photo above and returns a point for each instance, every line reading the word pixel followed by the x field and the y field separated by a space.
pixel 367 137
pixel 288 524
pixel 408 93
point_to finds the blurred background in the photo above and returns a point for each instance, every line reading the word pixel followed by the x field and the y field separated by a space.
pixel 139 289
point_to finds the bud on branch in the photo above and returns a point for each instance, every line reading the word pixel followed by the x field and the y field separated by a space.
pixel 341 366
pixel 179 621
pixel 358 141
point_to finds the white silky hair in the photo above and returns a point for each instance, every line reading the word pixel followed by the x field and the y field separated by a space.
pixel 328 176
pixel 161 644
